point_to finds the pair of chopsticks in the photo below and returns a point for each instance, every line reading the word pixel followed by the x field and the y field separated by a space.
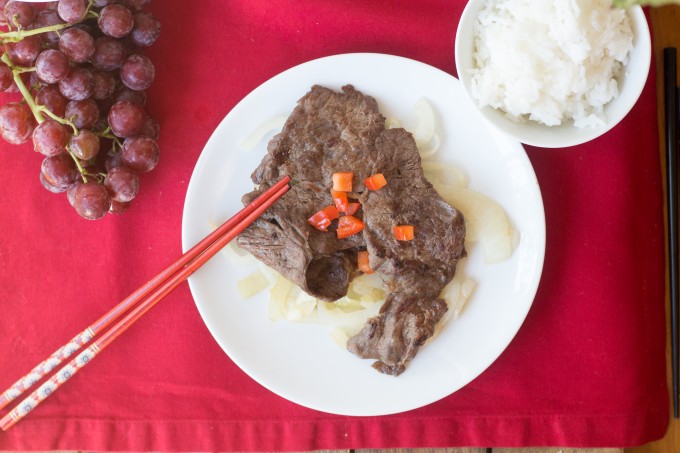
pixel 143 299
pixel 672 125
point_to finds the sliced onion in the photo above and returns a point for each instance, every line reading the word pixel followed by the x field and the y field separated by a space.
pixel 333 316
pixel 252 284
pixel 299 304
pixel 485 221
pixel 392 123
pixel 456 294
pixel 271 125
pixel 425 123
pixel 430 148
pixel 439 173
pixel 278 295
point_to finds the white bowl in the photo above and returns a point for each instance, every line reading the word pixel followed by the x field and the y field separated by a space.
pixel 534 133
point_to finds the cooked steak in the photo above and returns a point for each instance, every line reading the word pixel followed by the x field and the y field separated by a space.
pixel 393 337
pixel 330 132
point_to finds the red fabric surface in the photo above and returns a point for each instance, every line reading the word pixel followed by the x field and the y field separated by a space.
pixel 586 369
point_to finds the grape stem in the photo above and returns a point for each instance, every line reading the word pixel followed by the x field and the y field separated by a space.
pixel 21 70
pixel 82 171
pixel 18 35
pixel 106 133
pixel 22 88
pixel 64 121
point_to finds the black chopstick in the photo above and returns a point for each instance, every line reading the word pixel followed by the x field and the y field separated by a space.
pixel 671 109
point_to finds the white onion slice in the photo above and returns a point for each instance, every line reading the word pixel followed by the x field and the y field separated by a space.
pixel 392 123
pixel 444 174
pixel 485 221
pixel 424 122
pixel 252 284
pixel 278 295
pixel 272 124
pixel 430 149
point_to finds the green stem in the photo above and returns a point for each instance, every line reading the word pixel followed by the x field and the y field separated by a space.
pixel 58 119
pixel 22 88
pixel 18 35
pixel 21 70
pixel 83 173
pixel 107 134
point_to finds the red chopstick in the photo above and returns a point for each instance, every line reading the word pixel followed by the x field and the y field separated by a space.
pixel 156 289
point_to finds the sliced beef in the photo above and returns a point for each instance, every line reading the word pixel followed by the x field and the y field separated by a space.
pixel 282 239
pixel 326 132
pixel 330 132
pixel 419 269
pixel 394 337
pixel 427 263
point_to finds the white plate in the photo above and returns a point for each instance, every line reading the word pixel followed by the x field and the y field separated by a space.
pixel 299 361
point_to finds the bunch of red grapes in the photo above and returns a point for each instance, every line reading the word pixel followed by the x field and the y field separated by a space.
pixel 81 71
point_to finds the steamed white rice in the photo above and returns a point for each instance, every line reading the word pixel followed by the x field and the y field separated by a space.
pixel 550 60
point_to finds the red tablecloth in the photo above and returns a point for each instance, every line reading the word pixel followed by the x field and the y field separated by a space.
pixel 586 369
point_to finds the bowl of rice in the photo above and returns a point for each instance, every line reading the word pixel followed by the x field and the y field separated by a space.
pixel 556 73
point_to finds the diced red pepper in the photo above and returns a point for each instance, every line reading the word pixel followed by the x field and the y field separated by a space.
pixel 375 182
pixel 352 208
pixel 362 262
pixel 403 232
pixel 349 225
pixel 342 181
pixel 340 200
pixel 323 218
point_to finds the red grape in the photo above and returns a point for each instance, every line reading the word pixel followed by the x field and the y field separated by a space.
pixel 118 207
pixel 91 72
pixel 126 94
pixel 60 170
pixel 72 10
pixel 137 73
pixel 115 21
pixel 24 52
pixel 50 138
pixel 140 153
pixel 112 161
pixel 77 44
pixel 47 18
pixel 147 29
pixel 3 18
pixel 52 66
pixel 122 183
pixel 19 14
pixel 136 5
pixel 91 200
pixel 104 85
pixel 151 129
pixel 47 185
pixel 6 77
pixel 78 84
pixel 85 145
pixel 83 114
pixel 16 123
pixel 51 97
pixel 71 190
pixel 126 118
pixel 109 54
